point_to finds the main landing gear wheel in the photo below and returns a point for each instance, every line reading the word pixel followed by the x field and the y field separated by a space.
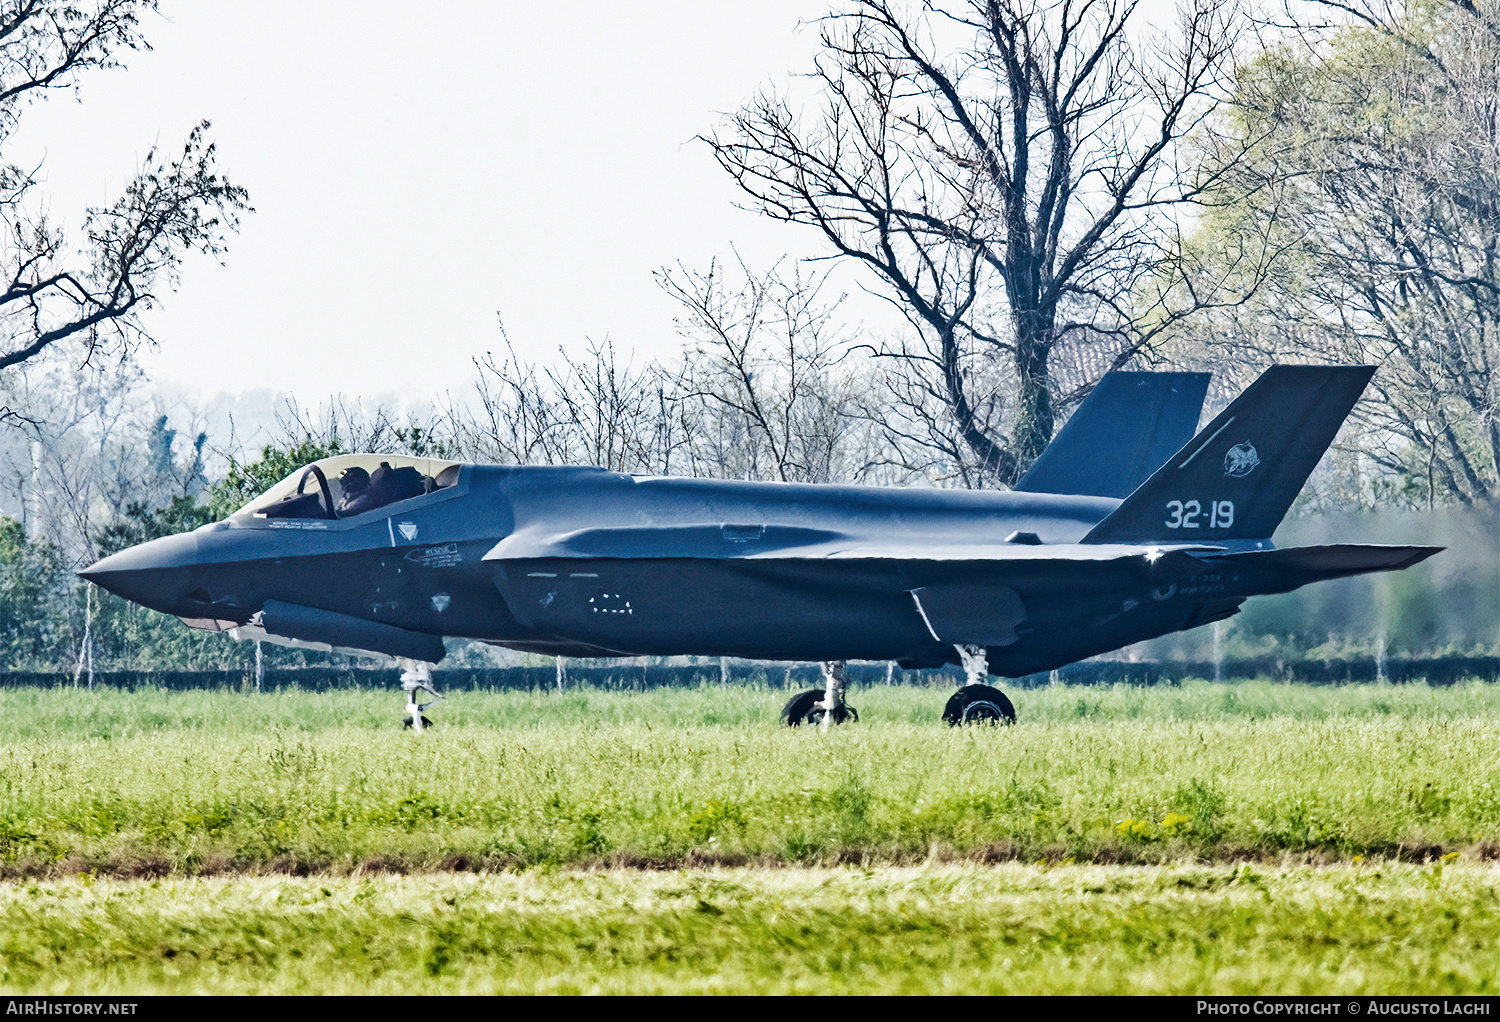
pixel 978 704
pixel 802 709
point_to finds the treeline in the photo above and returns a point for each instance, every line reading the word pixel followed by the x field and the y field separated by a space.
pixel 50 622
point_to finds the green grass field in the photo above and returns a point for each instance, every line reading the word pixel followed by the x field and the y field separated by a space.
pixel 1238 838
pixel 1011 928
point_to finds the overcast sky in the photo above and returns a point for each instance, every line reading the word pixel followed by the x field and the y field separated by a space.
pixel 418 168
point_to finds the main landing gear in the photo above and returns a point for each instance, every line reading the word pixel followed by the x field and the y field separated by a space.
pixel 976 702
pixel 416 676
pixel 811 707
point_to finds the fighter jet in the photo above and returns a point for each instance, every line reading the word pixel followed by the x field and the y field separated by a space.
pixel 1110 539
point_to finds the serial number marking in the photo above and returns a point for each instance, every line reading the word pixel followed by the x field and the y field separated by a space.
pixel 1190 514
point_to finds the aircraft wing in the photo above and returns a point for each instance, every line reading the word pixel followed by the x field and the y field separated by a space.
pixel 780 543
pixel 963 592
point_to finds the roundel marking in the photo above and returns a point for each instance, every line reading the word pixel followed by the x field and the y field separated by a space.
pixel 1241 460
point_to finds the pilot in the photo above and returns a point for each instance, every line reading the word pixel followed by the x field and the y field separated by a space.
pixel 392 484
pixel 355 483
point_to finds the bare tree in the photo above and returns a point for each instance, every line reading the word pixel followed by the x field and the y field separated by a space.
pixel 1008 171
pixel 134 248
pixel 764 390
pixel 336 425
pixel 85 445
pixel 592 410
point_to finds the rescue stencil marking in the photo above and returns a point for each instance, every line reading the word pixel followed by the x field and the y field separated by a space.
pixel 445 556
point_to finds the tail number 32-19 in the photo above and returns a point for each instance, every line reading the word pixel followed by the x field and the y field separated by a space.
pixel 1190 514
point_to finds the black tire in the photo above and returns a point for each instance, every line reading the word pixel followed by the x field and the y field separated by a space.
pixel 978 704
pixel 800 710
pixel 845 714
pixel 982 711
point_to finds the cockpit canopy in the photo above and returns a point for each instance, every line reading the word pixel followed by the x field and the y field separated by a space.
pixel 351 484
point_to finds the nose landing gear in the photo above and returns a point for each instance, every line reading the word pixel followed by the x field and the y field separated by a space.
pixel 812 706
pixel 416 676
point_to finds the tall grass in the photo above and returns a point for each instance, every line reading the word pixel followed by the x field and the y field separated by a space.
pixel 205 782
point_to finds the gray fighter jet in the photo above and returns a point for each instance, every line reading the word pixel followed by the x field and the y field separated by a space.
pixel 1128 527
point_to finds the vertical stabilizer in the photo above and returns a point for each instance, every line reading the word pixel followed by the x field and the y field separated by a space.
pixel 1237 477
pixel 1127 428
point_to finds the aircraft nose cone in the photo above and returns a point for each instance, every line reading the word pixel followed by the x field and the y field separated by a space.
pixel 158 574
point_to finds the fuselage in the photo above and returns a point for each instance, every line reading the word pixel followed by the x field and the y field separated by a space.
pixel 584 562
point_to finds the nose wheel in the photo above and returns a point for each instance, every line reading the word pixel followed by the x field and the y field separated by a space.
pixel 807 708
pixel 813 706
pixel 417 677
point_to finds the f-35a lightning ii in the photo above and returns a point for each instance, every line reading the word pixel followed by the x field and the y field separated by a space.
pixel 1111 538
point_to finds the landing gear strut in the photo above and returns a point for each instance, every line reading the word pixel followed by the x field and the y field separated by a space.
pixel 976 702
pixel 811 707
pixel 416 676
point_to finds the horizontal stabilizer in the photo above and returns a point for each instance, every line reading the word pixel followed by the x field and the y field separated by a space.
pixel 1127 428
pixel 1297 566
pixel 1237 477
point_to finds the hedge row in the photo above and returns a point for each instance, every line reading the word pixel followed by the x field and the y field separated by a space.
pixel 796 676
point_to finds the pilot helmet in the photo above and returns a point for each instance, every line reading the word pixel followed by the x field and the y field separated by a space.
pixel 354 479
